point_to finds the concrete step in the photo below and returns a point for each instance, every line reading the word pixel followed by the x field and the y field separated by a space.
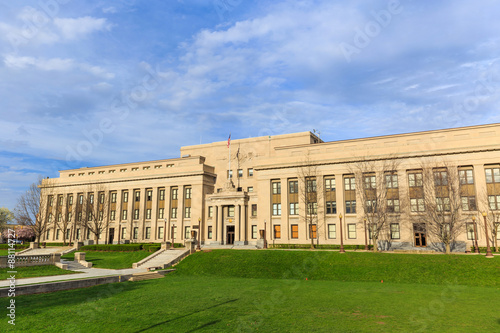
pixel 165 259
pixel 72 265
pixel 145 276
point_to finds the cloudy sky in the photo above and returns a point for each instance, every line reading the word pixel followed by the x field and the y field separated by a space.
pixel 87 83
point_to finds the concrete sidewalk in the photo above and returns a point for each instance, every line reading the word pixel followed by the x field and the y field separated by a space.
pixel 86 273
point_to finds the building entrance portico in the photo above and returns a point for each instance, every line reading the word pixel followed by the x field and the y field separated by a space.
pixel 230 216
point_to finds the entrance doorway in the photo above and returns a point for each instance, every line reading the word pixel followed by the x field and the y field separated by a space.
pixel 230 235
pixel 111 235
pixel 419 235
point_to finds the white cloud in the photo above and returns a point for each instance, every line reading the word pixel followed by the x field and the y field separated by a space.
pixel 74 28
pixel 109 10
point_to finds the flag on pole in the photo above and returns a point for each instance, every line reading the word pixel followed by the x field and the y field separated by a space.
pixel 229 140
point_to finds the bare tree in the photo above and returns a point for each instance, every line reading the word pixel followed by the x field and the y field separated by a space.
pixel 379 197
pixel 492 220
pixel 308 177
pixel 442 211
pixel 32 208
pixel 95 208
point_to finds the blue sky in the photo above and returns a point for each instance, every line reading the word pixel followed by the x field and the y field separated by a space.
pixel 87 83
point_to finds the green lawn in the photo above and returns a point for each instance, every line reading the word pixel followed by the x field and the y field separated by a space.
pixel 113 260
pixel 33 271
pixel 267 291
pixel 6 252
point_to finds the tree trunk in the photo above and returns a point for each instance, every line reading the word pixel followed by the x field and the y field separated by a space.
pixel 375 245
pixel 496 244
pixel 448 248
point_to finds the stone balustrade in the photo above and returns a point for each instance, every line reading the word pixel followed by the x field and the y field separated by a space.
pixel 31 260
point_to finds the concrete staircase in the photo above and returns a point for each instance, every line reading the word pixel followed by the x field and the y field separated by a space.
pixel 162 259
pixel 73 265
pixel 47 250
pixel 145 276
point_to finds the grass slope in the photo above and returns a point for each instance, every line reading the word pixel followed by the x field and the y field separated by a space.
pixel 113 260
pixel 351 266
pixel 234 291
pixel 33 271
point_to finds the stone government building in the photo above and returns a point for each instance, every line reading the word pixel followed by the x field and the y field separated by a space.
pixel 165 200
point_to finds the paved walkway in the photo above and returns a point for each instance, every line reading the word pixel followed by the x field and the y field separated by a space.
pixel 165 259
pixel 86 273
pixel 47 250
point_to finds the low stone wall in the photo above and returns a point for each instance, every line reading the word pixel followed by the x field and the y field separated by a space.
pixel 31 260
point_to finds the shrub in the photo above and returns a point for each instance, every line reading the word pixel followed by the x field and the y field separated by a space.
pixel 112 247
pixel 321 246
pixel 151 247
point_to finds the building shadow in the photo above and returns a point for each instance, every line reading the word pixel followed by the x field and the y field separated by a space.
pixel 189 314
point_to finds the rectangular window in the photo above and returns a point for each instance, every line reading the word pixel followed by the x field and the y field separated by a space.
pixel 240 173
pixel 91 198
pixel 492 175
pixel 125 196
pixel 210 211
pixel 162 195
pixel 48 234
pixel 160 233
pixel 331 207
pixel 395 231
pixel 70 216
pixel 466 177
pixel 276 188
pixel 311 185
pixel 349 183
pixel 149 195
pixel 229 174
pixel 332 231
pixel 330 184
pixel 293 186
pixel 276 209
pixel 101 215
pixel 112 215
pixel 79 216
pixel 51 200
pixel 313 231
pixel 137 195
pixel 174 212
pixel 187 232
pixel 161 213
pixel 294 208
pixel 124 232
pixel 391 180
pixel 209 233
pixel 312 208
pixel 59 217
pixel 371 206
pixel 254 232
pixel 370 182
pixel 77 233
pixel 101 198
pixel 295 231
pixel 250 172
pixel 70 200
pixel 443 204
pixel 470 231
pixel 136 214
pixel 277 231
pixel 174 193
pixel 415 179
pixel 136 232
pixel 351 231
pixel 124 214
pixel 417 205
pixel 440 178
pixel 148 232
pixel 80 199
pixel 188 192
pixel 58 232
pixel 350 207
pixel 254 210
pixel 392 205
pixel 494 202
pixel 148 214
pixel 250 189
pixel 187 212
pixel 113 197
pixel 90 216
pixel 60 200
pixel 68 231
pixel 230 211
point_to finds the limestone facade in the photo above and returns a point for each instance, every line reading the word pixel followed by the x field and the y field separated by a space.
pixel 264 190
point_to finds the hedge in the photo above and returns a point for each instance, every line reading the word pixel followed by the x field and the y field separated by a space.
pixel 482 249
pixel 321 246
pixel 16 246
pixel 112 247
